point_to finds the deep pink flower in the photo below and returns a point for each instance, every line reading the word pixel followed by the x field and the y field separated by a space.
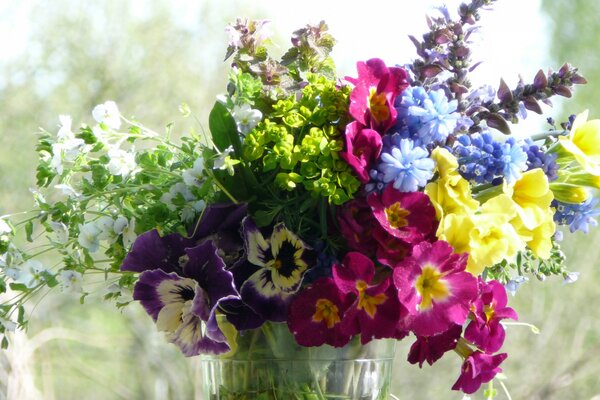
pixel 376 88
pixel 363 147
pixel 375 310
pixel 477 369
pixel 406 215
pixel 485 330
pixel 390 249
pixel 316 314
pixel 356 225
pixel 435 288
pixel 432 348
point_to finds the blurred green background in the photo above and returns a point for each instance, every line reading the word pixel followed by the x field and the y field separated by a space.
pixel 65 56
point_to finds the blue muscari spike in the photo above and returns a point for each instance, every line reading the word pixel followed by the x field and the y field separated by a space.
pixel 579 217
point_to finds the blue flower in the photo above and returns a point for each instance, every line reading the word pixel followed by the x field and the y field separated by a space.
pixel 430 117
pixel 514 160
pixel 481 159
pixel 579 217
pixel 537 158
pixel 403 164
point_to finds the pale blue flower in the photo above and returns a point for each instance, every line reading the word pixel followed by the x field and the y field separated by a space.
pixel 407 166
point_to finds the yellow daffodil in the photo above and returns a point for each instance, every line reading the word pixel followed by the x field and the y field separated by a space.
pixel 583 143
pixel 533 196
pixel 451 193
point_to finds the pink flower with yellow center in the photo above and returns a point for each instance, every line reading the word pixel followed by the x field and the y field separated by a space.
pixel 376 88
pixel 375 310
pixel 316 314
pixel 485 329
pixel 435 288
pixel 405 215
pixel 363 147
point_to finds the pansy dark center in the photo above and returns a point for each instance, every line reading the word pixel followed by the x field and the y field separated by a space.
pixel 285 259
pixel 185 292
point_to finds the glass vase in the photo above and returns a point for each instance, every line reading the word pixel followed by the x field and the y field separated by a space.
pixel 269 365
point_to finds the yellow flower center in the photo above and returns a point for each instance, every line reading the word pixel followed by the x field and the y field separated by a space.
pixel 396 215
pixel 489 312
pixel 431 286
pixel 378 105
pixel 327 311
pixel 366 302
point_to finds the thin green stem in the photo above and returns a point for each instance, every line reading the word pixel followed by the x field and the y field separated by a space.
pixel 544 135
pixel 220 185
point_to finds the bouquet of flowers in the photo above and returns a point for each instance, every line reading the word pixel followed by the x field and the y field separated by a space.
pixel 321 218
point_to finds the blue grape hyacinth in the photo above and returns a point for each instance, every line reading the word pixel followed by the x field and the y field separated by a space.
pixel 429 116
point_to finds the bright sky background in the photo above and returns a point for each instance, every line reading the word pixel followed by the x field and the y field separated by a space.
pixel 512 40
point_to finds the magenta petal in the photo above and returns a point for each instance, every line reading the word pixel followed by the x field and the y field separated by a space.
pixel 315 315
pixel 432 348
pixel 355 267
pixel 477 369
pixel 363 147
pixel 356 225
pixel 408 216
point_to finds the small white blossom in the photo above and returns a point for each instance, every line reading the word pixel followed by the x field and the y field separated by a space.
pixel 66 150
pixel 107 114
pixel 68 190
pixel 105 226
pixel 571 277
pixel 512 285
pixel 4 227
pixel 61 232
pixel 189 212
pixel 126 228
pixel 193 176
pixel 70 280
pixel 64 132
pixel 225 162
pixel 88 236
pixel 178 188
pixel 246 118
pixel 29 273
pixel 121 162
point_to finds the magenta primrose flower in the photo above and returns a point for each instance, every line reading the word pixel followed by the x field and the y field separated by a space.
pixel 363 147
pixel 405 215
pixel 374 93
pixel 316 314
pixel 435 288
pixel 390 249
pixel 485 330
pixel 477 369
pixel 375 310
pixel 432 348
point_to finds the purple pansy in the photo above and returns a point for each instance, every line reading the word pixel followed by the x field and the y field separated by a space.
pixel 273 271
pixel 181 295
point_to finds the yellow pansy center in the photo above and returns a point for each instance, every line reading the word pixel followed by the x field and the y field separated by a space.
pixel 326 311
pixel 367 302
pixel 378 105
pixel 431 286
pixel 396 215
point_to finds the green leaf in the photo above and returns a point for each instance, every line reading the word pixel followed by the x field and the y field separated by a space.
pixel 19 287
pixel 4 344
pixel 223 129
pixel 184 109
pixel 21 315
pixel 2 285
pixel 29 231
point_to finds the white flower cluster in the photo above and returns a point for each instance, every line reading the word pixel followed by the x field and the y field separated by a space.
pixel 107 229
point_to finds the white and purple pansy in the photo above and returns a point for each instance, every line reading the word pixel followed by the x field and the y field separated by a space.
pixel 274 269
pixel 181 286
